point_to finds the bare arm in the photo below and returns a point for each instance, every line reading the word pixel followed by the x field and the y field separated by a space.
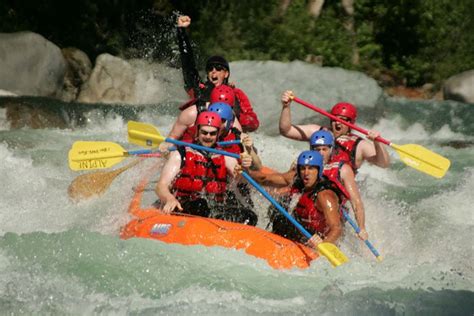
pixel 297 132
pixel 230 164
pixel 276 179
pixel 348 180
pixel 327 203
pixel 169 172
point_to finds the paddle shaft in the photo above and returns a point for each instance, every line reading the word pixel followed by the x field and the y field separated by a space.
pixel 144 152
pixel 276 204
pixel 335 118
pixel 199 147
pixel 223 143
pixel 357 230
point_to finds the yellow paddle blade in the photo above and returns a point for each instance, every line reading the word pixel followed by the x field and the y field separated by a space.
pixel 95 155
pixel 332 253
pixel 92 184
pixel 423 160
pixel 143 134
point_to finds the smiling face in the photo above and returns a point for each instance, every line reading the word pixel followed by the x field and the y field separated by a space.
pixel 338 128
pixel 309 175
pixel 207 135
pixel 217 74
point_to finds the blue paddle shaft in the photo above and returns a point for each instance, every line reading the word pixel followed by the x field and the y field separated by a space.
pixel 357 230
pixel 229 142
pixel 223 144
pixel 140 152
pixel 199 147
pixel 275 203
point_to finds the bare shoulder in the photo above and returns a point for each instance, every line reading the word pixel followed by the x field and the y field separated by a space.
pixel 346 171
pixel 188 116
pixel 174 157
pixel 327 195
pixel 366 148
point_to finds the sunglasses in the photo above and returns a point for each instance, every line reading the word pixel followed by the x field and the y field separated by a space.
pixel 203 132
pixel 346 119
pixel 216 67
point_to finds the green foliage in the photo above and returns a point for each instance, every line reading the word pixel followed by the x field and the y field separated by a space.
pixel 416 41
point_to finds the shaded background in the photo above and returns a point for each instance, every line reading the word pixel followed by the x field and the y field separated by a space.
pixel 394 41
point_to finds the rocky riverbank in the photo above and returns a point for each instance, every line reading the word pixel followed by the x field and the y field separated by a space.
pixel 34 66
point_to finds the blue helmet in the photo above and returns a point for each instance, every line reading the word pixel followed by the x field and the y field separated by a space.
pixel 321 138
pixel 225 112
pixel 311 158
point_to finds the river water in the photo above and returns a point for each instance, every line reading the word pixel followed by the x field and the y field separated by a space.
pixel 58 257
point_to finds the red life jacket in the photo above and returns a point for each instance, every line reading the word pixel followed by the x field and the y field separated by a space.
pixel 189 134
pixel 202 175
pixel 234 134
pixel 306 211
pixel 332 171
pixel 345 150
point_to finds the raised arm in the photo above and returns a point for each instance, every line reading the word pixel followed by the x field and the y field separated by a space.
pixel 297 132
pixel 188 66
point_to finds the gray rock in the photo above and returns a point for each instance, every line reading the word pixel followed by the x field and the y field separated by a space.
pixel 30 65
pixel 79 68
pixel 460 87
pixel 112 81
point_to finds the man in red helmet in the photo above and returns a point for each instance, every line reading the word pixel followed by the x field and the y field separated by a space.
pixel 349 147
pixel 184 127
pixel 218 71
pixel 195 182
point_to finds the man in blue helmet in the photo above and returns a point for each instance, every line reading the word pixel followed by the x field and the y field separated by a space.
pixel 317 205
pixel 230 133
pixel 342 175
pixel 339 173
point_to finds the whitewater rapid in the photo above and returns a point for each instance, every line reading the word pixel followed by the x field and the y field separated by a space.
pixel 57 256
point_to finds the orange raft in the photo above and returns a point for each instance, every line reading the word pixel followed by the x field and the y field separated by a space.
pixel 279 252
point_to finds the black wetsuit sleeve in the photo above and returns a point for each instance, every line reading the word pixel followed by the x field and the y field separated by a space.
pixel 188 65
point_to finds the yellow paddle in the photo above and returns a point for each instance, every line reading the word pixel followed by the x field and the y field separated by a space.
pixel 96 183
pixel 415 156
pixel 98 155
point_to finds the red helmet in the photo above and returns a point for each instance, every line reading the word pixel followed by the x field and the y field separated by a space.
pixel 345 109
pixel 223 93
pixel 209 119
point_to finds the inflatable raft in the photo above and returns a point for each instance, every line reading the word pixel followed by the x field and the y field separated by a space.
pixel 148 222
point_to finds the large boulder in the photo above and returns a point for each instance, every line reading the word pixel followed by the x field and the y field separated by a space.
pixel 79 68
pixel 30 65
pixel 114 80
pixel 460 87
